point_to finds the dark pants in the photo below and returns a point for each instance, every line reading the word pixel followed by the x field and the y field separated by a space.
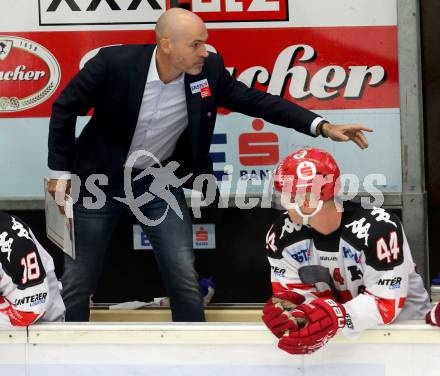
pixel 171 241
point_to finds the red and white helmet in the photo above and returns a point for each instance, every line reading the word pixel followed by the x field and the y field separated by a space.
pixel 308 170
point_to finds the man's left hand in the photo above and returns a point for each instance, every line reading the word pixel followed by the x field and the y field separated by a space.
pixel 323 319
pixel 347 132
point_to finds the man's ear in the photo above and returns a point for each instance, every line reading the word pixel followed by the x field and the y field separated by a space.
pixel 165 45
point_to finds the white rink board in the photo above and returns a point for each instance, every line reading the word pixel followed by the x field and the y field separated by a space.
pixel 217 349
pixel 13 348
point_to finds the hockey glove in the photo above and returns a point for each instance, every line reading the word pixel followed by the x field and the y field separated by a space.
pixel 433 316
pixel 276 314
pixel 323 318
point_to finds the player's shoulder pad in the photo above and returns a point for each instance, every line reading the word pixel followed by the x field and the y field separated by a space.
pixel 283 233
pixel 19 255
pixel 377 232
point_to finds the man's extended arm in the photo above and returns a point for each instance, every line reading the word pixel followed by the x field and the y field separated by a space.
pixel 236 96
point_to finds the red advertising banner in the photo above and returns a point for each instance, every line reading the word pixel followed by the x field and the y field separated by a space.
pixel 237 10
pixel 320 68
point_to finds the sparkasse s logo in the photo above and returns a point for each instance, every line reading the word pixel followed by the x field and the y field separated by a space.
pixel 29 74
pixel 104 12
pixel 258 152
pixel 258 148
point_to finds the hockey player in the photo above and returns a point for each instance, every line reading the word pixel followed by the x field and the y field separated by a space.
pixel 334 266
pixel 29 289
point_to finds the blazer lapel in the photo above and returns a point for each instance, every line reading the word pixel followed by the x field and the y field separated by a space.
pixel 193 105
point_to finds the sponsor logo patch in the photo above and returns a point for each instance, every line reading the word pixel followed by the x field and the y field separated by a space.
pixel 29 74
pixel 279 272
pixel 32 300
pixel 300 256
pixel 392 284
pixel 196 87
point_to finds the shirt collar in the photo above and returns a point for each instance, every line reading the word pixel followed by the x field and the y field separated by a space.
pixel 153 74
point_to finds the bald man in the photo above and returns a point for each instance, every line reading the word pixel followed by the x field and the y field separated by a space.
pixel 159 102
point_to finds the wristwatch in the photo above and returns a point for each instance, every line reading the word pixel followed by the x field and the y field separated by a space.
pixel 319 128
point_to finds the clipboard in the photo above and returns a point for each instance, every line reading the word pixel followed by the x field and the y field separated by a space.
pixel 60 228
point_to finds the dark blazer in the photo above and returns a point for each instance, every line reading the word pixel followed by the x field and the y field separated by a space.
pixel 113 84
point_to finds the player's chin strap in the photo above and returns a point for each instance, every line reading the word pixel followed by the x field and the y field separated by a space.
pixel 305 217
pixel 287 204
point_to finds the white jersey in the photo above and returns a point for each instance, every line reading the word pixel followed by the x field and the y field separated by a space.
pixel 366 264
pixel 29 289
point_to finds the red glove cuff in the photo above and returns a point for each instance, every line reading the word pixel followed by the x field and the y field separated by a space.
pixel 323 318
pixel 290 296
pixel 433 316
pixel 335 310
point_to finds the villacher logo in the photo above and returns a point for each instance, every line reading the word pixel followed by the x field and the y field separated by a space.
pixel 29 74
pixel 105 12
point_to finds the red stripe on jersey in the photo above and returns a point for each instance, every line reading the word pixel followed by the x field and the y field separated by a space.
pixel 402 302
pixel 344 296
pixel 278 287
pixel 327 294
pixel 387 309
pixel 16 317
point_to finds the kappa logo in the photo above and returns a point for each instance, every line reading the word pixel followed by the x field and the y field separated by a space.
pixel 21 231
pixel 382 215
pixel 360 229
pixel 289 227
pixel 5 244
pixel 29 74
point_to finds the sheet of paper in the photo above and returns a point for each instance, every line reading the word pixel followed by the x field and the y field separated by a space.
pixel 60 228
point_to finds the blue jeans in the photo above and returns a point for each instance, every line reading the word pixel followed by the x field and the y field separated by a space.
pixel 171 240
